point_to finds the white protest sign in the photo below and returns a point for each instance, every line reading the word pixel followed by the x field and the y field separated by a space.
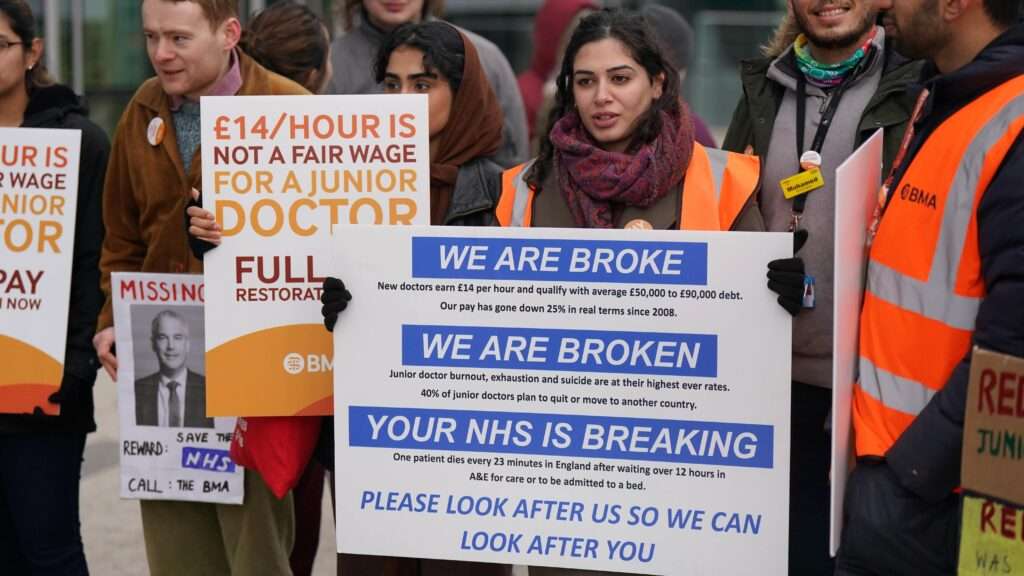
pixel 38 201
pixel 170 449
pixel 279 172
pixel 857 182
pixel 595 399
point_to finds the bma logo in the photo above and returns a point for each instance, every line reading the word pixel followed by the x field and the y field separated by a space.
pixel 295 363
pixel 918 196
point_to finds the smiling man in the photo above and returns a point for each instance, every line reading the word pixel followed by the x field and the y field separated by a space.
pixel 827 82
pixel 154 163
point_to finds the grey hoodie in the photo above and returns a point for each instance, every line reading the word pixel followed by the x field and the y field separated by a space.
pixel 812 329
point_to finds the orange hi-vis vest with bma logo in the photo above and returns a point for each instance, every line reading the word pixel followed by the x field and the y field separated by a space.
pixel 716 187
pixel 924 278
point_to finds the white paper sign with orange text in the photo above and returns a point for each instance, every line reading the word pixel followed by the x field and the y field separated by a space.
pixel 280 173
pixel 38 199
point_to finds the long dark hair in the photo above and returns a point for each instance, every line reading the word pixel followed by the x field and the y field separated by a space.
pixel 19 14
pixel 630 29
pixel 441 44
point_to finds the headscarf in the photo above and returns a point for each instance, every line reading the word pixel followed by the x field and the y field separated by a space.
pixel 549 26
pixel 473 130
pixel 597 184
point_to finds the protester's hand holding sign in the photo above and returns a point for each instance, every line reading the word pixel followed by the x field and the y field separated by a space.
pixel 103 342
pixel 204 234
pixel 335 299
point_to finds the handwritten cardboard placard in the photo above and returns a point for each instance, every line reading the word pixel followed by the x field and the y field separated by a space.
pixel 991 539
pixel 993 452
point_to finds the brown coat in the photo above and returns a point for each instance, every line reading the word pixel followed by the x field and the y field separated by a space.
pixel 146 188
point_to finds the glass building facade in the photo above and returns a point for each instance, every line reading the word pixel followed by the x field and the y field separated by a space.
pixel 97 47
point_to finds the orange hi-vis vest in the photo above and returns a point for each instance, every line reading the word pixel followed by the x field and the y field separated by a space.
pixel 924 280
pixel 716 187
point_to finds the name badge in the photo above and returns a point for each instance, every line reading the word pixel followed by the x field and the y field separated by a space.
pixel 802 183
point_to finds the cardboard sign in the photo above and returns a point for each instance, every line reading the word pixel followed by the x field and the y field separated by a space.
pixel 993 452
pixel 170 448
pixel 612 400
pixel 279 173
pixel 991 538
pixel 38 202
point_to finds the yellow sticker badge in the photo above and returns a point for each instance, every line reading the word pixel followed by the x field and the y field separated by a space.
pixel 802 183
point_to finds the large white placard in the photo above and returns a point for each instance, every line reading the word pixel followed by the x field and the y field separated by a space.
pixel 279 172
pixel 857 183
pixel 170 449
pixel 608 400
pixel 38 202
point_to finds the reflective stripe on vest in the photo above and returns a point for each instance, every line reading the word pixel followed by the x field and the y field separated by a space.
pixel 515 207
pixel 924 282
pixel 716 187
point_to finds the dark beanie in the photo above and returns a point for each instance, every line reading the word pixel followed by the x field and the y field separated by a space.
pixel 673 32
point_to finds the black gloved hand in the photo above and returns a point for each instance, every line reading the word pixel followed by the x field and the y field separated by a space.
pixel 335 298
pixel 786 276
pixel 199 247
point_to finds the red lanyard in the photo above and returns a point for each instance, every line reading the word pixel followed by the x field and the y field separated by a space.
pixel 883 192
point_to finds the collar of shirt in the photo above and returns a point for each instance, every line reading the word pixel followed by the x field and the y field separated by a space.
pixel 228 85
pixel 180 377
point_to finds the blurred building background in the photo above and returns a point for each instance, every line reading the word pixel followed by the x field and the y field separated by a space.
pixel 96 46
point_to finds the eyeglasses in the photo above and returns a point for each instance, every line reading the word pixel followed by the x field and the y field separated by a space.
pixel 5 44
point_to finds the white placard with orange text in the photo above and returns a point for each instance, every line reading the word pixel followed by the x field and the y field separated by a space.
pixel 38 199
pixel 279 173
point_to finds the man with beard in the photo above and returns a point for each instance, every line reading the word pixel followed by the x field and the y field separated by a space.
pixel 827 82
pixel 944 275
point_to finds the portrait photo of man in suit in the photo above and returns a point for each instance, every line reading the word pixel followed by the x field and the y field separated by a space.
pixel 174 396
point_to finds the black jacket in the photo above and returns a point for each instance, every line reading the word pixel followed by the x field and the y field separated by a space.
pixel 58 107
pixel 926 458
pixel 476 193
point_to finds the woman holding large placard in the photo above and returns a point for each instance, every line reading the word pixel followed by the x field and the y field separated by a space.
pixel 619 153
pixel 42 455
pixel 620 150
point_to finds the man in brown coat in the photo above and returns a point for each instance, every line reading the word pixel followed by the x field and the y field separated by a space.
pixel 154 164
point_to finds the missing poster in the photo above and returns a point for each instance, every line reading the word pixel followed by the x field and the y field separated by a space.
pixel 170 448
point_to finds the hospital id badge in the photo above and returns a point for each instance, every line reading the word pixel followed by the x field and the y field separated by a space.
pixel 802 183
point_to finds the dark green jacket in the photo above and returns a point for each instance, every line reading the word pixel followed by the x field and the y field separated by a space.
pixel 890 108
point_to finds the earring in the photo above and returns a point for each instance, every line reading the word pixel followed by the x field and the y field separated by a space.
pixel 31 67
